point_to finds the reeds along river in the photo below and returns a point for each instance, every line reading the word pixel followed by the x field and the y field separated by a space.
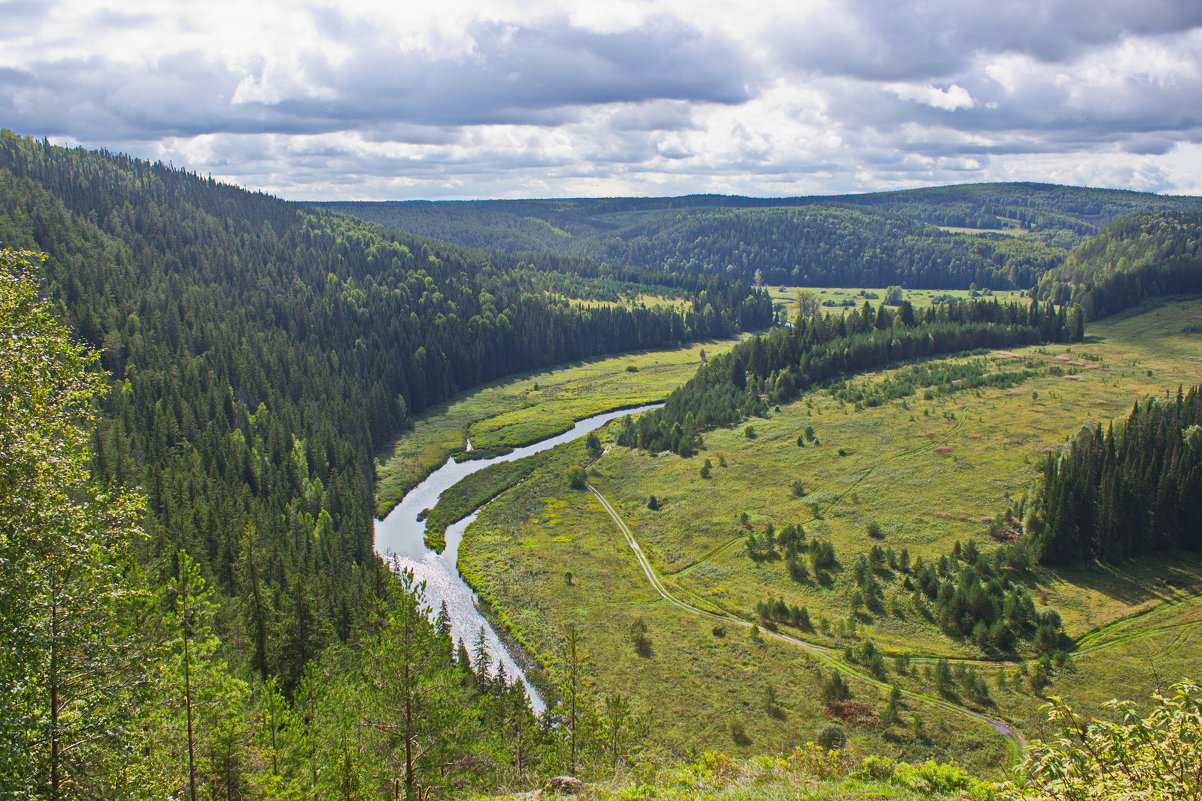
pixel 401 536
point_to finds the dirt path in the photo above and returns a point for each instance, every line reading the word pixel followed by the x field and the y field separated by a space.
pixel 823 654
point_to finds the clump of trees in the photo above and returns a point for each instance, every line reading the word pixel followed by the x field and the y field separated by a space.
pixel 773 612
pixel 979 597
pixel 1130 489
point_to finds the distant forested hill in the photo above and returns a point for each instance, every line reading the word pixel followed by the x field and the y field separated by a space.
pixel 1136 258
pixel 1017 231
pixel 825 246
pixel 263 350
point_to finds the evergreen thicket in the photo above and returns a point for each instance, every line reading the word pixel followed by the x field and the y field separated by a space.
pixel 1131 489
pixel 776 368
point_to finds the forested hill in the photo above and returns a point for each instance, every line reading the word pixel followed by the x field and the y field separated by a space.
pixel 826 246
pixel 262 350
pixel 1136 258
pixel 1005 235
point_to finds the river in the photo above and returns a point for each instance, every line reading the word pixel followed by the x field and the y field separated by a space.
pixel 403 535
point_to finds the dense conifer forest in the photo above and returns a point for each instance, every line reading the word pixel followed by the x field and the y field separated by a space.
pixel 1128 490
pixel 259 353
pixel 826 246
pixel 1021 230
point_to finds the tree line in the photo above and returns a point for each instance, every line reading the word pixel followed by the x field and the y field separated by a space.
pixel 776 368
pixel 1130 489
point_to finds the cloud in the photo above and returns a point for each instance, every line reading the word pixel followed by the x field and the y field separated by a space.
pixel 472 98
pixel 19 17
pixel 886 40
pixel 511 74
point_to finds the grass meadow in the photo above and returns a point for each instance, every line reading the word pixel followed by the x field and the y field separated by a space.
pixel 519 410
pixel 926 471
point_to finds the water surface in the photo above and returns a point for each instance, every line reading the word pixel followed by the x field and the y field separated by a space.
pixel 403 535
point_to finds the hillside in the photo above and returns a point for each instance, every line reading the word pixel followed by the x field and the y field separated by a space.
pixel 1002 236
pixel 260 353
pixel 1138 257
pixel 252 357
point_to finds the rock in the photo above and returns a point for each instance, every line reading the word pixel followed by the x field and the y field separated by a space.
pixel 565 785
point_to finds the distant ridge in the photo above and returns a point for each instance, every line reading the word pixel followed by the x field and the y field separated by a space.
pixel 996 235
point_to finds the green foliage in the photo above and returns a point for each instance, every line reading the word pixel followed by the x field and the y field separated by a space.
pixel 832 737
pixel 70 649
pixel 640 638
pixel 940 379
pixel 576 477
pixel 1136 756
pixel 262 352
pixel 777 367
pixel 834 690
pixel 1138 257
pixel 1126 491
pixel 592 444
pixel 866 240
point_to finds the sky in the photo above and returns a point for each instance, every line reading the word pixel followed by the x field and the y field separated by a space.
pixel 465 99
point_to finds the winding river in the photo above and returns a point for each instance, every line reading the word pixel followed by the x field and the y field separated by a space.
pixel 403 535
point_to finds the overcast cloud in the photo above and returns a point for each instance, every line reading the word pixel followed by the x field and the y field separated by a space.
pixel 529 98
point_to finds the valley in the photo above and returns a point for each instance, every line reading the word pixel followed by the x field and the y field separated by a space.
pixel 843 534
pixel 924 471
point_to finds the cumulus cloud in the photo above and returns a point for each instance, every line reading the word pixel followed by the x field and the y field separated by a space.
pixel 366 98
pixel 887 40
pixel 512 74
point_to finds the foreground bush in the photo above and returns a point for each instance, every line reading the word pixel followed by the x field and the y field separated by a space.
pixel 1153 757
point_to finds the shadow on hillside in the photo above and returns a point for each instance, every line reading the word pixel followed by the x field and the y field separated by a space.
pixel 1161 577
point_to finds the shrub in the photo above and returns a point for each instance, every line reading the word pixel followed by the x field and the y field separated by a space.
pixel 835 689
pixel 640 638
pixel 577 479
pixel 738 734
pixel 1149 757
pixel 832 737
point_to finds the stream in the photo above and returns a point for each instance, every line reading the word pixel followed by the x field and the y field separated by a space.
pixel 403 535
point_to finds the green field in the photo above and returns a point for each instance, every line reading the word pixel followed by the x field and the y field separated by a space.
pixel 532 407
pixel 832 299
pixel 927 472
